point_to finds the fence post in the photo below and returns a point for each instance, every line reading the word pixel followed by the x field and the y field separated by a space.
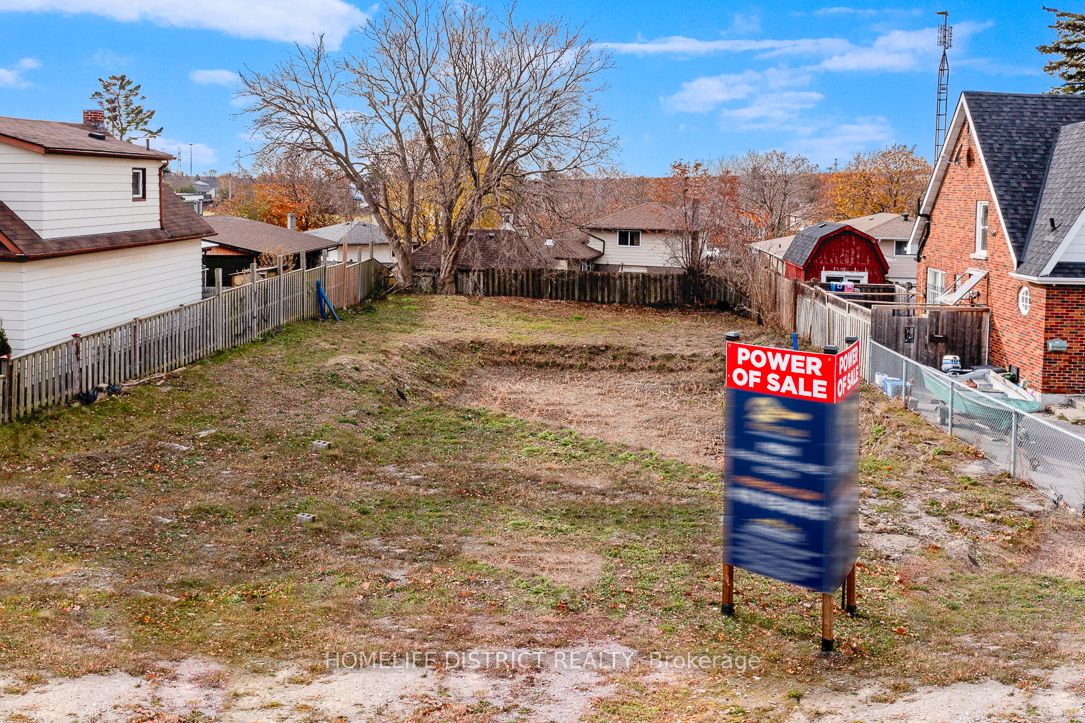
pixel 6 386
pixel 904 380
pixel 1013 444
pixel 252 303
pixel 952 397
pixel 137 369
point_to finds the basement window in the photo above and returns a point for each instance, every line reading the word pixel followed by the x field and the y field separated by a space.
pixel 139 184
pixel 629 238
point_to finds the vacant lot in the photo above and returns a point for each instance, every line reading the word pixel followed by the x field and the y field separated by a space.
pixel 504 477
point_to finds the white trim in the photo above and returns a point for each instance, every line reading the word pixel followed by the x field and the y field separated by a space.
pixel 1024 299
pixel 864 276
pixel 983 232
pixel 1064 244
pixel 1051 280
pixel 942 164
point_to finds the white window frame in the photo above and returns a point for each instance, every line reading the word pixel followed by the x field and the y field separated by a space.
pixel 1024 299
pixel 932 298
pixel 629 238
pixel 983 228
pixel 142 174
pixel 896 245
pixel 856 277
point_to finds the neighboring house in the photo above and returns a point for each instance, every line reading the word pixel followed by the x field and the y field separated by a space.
pixel 569 251
pixel 892 231
pixel 363 240
pixel 241 242
pixel 647 239
pixel 827 252
pixel 88 239
pixel 485 249
pixel 1002 223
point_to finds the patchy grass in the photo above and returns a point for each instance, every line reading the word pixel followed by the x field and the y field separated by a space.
pixel 164 524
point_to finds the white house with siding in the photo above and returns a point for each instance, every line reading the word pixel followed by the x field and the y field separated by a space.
pixel 643 239
pixel 88 238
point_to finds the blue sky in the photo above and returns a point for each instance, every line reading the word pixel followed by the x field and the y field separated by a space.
pixel 690 80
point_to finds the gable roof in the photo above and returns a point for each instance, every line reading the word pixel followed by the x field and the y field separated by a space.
pixel 1061 202
pixel 19 242
pixel 570 245
pixel 355 233
pixel 264 238
pixel 69 139
pixel 805 242
pixel 649 216
pixel 884 226
pixel 1016 133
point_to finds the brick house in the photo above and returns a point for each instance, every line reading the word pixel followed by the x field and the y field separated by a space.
pixel 827 252
pixel 1002 223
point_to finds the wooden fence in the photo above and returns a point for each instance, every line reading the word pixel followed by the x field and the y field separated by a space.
pixel 823 319
pixel 603 287
pixel 924 333
pixel 171 339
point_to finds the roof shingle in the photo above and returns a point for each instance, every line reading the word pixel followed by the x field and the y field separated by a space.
pixel 70 138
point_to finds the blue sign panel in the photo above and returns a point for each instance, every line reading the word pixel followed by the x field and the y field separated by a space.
pixel 790 497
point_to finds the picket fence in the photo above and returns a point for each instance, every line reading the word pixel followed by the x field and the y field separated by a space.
pixel 171 339
pixel 823 319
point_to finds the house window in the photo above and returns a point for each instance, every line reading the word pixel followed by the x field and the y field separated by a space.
pixel 982 208
pixel 936 285
pixel 1024 300
pixel 139 184
pixel 900 248
pixel 629 238
pixel 840 277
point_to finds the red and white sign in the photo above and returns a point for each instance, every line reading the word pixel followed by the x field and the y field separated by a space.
pixel 795 374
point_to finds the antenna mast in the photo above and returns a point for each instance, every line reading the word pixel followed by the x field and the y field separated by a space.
pixel 945 41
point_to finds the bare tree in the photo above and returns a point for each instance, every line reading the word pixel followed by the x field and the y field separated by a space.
pixel 296 108
pixel 456 107
pixel 777 191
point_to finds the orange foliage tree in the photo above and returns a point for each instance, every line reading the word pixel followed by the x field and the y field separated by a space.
pixel 890 180
pixel 292 184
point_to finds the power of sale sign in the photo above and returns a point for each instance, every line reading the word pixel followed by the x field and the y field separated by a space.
pixel 791 463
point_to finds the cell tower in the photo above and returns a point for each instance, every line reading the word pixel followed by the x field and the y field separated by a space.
pixel 945 41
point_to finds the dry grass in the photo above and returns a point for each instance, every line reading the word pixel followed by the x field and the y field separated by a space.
pixel 504 474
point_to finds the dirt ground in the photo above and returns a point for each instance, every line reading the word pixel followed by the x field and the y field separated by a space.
pixel 519 511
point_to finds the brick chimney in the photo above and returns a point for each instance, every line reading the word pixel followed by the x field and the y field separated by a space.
pixel 94 119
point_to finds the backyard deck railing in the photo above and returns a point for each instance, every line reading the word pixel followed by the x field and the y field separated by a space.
pixel 171 339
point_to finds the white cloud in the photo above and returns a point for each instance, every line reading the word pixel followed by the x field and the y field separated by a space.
pixel 708 92
pixel 280 20
pixel 745 24
pixel 826 142
pixel 109 59
pixel 13 77
pixel 203 156
pixel 773 110
pixel 842 10
pixel 213 77
pixel 683 46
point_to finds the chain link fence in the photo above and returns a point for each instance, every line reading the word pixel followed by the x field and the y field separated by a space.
pixel 1027 446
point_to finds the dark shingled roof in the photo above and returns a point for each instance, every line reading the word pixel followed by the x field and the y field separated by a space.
pixel 485 249
pixel 806 241
pixel 264 238
pixel 1016 133
pixel 571 245
pixel 1062 199
pixel 19 242
pixel 69 138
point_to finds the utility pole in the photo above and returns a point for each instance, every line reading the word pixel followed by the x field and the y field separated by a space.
pixel 945 41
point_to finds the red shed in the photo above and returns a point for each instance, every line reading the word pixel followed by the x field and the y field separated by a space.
pixel 835 252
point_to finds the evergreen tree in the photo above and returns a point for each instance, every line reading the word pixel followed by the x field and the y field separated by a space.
pixel 125 117
pixel 1069 49
pixel 5 346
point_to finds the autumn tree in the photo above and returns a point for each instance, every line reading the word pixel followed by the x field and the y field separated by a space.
pixel 1069 51
pixel 705 201
pixel 285 184
pixel 125 117
pixel 889 180
pixel 777 192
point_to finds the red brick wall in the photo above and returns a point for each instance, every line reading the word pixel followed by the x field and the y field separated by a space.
pixel 846 251
pixel 1015 338
pixel 1064 372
